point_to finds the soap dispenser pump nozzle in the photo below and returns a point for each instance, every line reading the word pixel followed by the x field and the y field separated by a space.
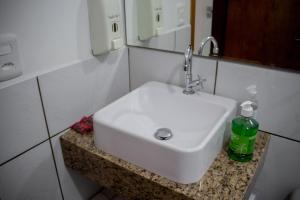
pixel 247 109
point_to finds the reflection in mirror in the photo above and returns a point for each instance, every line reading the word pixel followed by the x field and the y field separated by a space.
pixel 169 24
pixel 262 32
pixel 203 15
pixel 158 24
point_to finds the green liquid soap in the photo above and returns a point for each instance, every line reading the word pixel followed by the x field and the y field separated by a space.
pixel 243 135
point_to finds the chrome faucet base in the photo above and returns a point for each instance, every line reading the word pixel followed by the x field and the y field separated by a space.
pixel 190 84
pixel 188 92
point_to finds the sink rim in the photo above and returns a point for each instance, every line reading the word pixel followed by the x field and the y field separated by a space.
pixel 188 165
pixel 167 143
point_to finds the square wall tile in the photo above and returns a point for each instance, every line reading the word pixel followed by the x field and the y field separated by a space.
pixel 150 65
pixel 82 89
pixel 74 185
pixel 30 176
pixel 278 95
pixel 280 173
pixel 21 119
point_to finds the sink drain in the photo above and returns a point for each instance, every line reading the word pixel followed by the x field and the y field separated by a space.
pixel 163 134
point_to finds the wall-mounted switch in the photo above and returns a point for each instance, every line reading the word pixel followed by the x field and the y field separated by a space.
pixel 10 65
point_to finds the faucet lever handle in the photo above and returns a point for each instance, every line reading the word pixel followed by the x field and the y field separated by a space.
pixel 201 81
pixel 185 68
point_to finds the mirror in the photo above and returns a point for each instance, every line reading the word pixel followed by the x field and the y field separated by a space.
pixel 158 24
pixel 261 32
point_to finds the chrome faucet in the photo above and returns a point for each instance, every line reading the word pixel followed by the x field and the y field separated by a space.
pixel 189 82
pixel 204 42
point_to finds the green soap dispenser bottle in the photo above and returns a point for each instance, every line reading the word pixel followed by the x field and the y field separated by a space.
pixel 243 135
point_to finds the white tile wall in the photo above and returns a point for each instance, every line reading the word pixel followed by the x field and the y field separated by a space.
pixel 74 185
pixel 74 91
pixel 278 95
pixel 21 119
pixel 82 89
pixel 30 176
pixel 49 33
pixel 150 65
pixel 280 173
pixel 279 112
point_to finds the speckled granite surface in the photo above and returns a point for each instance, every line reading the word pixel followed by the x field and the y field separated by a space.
pixel 225 179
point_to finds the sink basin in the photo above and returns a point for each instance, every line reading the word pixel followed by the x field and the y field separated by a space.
pixel 126 128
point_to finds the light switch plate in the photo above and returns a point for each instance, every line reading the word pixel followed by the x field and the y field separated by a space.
pixel 10 65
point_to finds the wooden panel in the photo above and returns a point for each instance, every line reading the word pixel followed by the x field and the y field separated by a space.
pixel 263 32
pixel 193 17
pixel 219 23
pixel 244 32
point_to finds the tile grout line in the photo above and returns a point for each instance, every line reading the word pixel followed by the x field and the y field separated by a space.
pixel 128 49
pixel 20 154
pixel 32 147
pixel 125 24
pixel 129 72
pixel 56 134
pixel 216 76
pixel 287 138
pixel 49 138
pixel 55 165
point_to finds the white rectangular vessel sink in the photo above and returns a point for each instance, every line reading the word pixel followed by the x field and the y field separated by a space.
pixel 126 128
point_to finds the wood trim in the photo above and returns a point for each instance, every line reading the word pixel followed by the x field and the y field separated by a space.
pixel 219 23
pixel 192 19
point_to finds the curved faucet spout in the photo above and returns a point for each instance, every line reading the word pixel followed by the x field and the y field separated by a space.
pixel 204 42
pixel 188 55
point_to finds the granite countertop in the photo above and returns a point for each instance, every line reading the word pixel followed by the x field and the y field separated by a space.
pixel 225 179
